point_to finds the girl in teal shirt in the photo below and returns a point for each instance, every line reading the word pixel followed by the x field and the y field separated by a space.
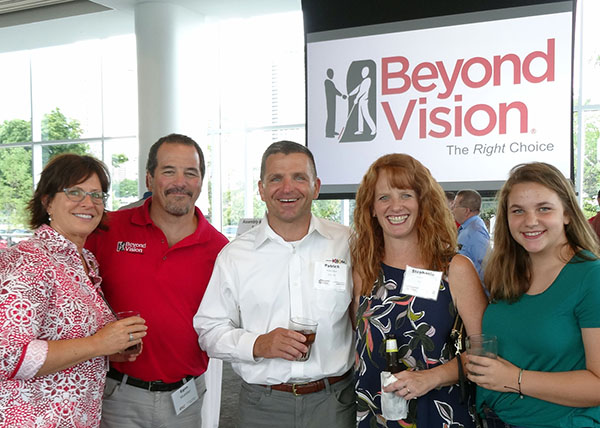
pixel 544 281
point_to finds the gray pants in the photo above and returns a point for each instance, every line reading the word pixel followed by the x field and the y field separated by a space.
pixel 333 407
pixel 126 406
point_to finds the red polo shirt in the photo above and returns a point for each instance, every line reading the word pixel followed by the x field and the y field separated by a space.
pixel 140 272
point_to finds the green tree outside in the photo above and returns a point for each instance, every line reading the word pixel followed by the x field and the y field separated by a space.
pixel 126 188
pixel 16 180
pixel 56 126
pixel 591 167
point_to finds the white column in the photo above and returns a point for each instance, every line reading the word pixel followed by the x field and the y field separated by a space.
pixel 164 33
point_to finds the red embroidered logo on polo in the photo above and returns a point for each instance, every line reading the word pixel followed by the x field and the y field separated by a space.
pixel 130 247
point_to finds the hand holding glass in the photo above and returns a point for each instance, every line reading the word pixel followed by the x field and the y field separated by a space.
pixel 483 345
pixel 308 328
pixel 134 349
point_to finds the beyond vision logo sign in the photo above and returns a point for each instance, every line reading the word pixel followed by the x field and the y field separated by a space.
pixel 360 103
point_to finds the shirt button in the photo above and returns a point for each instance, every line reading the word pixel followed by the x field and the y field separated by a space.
pixel 165 258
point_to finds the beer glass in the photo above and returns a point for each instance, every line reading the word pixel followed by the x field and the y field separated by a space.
pixel 308 328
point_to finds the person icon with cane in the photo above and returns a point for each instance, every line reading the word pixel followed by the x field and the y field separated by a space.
pixel 362 101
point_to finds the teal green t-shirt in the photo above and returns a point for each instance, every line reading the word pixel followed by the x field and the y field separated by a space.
pixel 543 333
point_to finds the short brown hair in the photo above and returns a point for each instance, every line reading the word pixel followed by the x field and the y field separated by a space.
pixel 286 147
pixel 152 162
pixel 470 199
pixel 61 172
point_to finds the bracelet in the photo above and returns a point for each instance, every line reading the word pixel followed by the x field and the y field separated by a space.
pixel 520 378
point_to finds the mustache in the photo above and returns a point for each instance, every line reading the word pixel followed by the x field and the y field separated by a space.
pixel 178 189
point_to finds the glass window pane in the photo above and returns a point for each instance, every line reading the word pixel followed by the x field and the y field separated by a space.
pixel 66 91
pixel 15 115
pixel 591 166
pixel 121 157
pixel 261 77
pixel 16 189
pixel 119 75
pixel 93 148
pixel 591 52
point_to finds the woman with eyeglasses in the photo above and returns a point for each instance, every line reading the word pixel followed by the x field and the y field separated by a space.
pixel 55 327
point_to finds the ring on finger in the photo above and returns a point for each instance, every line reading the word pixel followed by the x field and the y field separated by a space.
pixel 131 338
pixel 407 390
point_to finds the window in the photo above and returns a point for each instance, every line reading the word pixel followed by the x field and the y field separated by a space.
pixel 79 98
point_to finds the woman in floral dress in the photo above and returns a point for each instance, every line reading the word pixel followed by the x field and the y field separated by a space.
pixel 402 222
pixel 55 327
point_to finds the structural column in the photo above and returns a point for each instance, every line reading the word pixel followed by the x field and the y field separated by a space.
pixel 163 32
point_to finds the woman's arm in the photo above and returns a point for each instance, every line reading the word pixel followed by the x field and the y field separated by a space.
pixel 580 388
pixel 467 293
pixel 470 301
pixel 111 339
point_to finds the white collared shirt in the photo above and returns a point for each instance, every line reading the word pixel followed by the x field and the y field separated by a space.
pixel 259 281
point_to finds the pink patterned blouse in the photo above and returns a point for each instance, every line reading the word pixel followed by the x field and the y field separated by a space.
pixel 45 295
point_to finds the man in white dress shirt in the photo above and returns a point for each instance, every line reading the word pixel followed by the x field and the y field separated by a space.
pixel 292 265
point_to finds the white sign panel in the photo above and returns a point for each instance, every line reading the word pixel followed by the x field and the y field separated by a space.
pixel 469 101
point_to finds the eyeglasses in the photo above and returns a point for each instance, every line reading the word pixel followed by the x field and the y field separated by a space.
pixel 77 194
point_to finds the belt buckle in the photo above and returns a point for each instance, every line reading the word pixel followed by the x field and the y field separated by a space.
pixel 294 385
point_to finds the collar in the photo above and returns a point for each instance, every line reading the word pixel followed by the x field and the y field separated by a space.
pixel 264 231
pixel 56 243
pixel 469 220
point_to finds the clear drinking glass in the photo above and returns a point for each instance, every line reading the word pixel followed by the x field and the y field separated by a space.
pixel 308 328
pixel 134 349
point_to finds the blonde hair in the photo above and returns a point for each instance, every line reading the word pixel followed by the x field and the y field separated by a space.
pixel 436 230
pixel 508 270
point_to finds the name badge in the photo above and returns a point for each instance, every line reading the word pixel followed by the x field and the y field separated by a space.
pixel 421 283
pixel 185 396
pixel 331 275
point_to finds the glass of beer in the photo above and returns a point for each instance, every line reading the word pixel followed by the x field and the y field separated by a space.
pixel 308 328
pixel 134 349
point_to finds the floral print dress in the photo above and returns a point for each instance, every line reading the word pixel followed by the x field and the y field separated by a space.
pixel 422 328
pixel 46 295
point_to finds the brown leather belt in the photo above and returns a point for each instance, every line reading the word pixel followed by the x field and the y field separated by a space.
pixel 308 387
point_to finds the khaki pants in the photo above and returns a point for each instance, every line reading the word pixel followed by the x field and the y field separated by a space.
pixel 126 406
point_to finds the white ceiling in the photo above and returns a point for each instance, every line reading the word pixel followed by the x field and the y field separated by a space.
pixel 29 24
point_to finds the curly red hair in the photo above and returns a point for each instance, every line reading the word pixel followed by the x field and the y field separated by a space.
pixel 436 230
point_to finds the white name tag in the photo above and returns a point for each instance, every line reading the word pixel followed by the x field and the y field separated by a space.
pixel 421 283
pixel 331 275
pixel 185 396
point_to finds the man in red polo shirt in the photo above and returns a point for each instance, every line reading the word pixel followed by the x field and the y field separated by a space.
pixel 156 259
